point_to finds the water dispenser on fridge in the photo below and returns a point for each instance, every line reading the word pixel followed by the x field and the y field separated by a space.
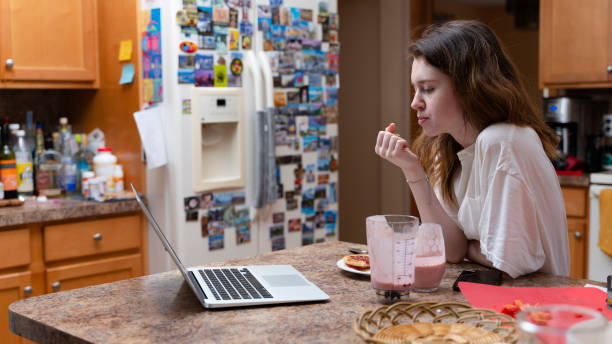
pixel 218 139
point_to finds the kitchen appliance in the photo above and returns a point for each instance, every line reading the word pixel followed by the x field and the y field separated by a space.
pixel 606 163
pixel 565 116
pixel 252 162
pixel 600 264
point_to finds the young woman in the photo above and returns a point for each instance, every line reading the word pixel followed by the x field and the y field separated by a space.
pixel 480 167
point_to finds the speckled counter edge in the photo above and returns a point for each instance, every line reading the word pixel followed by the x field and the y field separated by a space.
pixel 64 209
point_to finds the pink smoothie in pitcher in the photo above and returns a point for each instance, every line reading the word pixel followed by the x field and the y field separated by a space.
pixel 428 272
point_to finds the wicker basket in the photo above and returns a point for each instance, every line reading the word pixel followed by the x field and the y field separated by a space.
pixel 420 317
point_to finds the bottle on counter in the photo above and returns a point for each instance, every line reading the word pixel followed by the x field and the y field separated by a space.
pixel 13 127
pixel 39 150
pixel 48 171
pixel 30 132
pixel 8 165
pixel 104 167
pixel 83 158
pixel 25 168
pixel 118 178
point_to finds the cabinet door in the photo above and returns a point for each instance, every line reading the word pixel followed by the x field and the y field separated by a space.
pixel 576 229
pixel 89 273
pixel 574 41
pixel 48 40
pixel 12 288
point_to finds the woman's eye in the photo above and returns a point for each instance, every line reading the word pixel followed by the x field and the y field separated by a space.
pixel 427 90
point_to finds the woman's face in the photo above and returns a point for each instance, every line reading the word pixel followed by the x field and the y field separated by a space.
pixel 438 109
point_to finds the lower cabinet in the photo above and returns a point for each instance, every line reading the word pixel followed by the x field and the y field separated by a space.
pixel 576 229
pixel 13 287
pixel 73 276
pixel 576 209
pixel 50 257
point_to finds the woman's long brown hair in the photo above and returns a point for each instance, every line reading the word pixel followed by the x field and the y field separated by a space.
pixel 487 85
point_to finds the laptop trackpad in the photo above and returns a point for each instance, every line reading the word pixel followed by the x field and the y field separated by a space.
pixel 285 280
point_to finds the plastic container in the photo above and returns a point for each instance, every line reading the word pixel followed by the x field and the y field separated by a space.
pixel 85 183
pixel 104 167
pixel 118 178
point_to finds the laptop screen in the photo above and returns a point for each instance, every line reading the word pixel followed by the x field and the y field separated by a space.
pixel 161 235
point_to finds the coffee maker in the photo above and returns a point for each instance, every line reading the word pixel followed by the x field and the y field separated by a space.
pixel 565 116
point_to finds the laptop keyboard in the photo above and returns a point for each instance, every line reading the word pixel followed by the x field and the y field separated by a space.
pixel 233 284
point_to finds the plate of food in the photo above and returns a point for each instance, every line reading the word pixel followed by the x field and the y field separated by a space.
pixel 355 263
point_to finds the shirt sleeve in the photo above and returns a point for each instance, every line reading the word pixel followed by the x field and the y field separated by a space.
pixel 509 235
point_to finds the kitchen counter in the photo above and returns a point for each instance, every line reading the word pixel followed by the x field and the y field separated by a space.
pixel 161 308
pixel 62 209
pixel 576 181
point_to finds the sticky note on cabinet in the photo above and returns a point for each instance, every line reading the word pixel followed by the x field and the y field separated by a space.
pixel 125 50
pixel 147 92
pixel 127 74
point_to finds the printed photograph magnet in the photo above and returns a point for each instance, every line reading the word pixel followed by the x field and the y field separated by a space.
pixel 191 203
pixel 216 236
pixel 204 226
pixel 205 22
pixel 191 215
pixel 234 39
pixel 206 200
pixel 295 225
pixel 278 243
pixel 220 76
pixel 278 218
pixel 186 106
pixel 277 231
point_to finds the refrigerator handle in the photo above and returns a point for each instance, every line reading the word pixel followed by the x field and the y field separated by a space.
pixel 267 83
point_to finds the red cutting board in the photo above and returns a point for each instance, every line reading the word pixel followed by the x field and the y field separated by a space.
pixel 494 297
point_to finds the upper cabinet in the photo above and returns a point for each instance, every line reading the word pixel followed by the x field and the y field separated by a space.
pixel 48 44
pixel 575 44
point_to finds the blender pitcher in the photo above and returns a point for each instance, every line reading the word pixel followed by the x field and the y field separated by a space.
pixel 392 247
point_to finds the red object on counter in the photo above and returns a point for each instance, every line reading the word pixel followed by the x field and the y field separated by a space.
pixel 569 173
pixel 495 297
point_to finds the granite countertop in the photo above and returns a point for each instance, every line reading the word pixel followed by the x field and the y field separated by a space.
pixel 577 181
pixel 61 209
pixel 161 308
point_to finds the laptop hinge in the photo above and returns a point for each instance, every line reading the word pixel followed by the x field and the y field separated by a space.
pixel 196 286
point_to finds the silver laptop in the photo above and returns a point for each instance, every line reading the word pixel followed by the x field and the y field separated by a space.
pixel 234 286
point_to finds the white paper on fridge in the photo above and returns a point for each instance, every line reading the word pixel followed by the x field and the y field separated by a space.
pixel 149 125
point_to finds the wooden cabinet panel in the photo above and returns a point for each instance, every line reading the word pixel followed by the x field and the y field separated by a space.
pixel 11 289
pixel 576 229
pixel 86 238
pixel 15 248
pixel 93 272
pixel 575 201
pixel 49 40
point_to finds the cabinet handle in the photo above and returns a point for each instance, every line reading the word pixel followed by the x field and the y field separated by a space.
pixel 56 286
pixel 577 235
pixel 28 290
pixel 97 237
pixel 9 63
pixel 609 69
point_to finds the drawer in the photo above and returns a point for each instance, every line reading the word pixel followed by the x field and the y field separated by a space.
pixel 85 238
pixel 97 271
pixel 575 201
pixel 15 248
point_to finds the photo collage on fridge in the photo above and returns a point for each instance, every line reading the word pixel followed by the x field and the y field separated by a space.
pixel 303 49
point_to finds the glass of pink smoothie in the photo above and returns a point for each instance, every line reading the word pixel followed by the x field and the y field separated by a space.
pixel 430 260
pixel 392 246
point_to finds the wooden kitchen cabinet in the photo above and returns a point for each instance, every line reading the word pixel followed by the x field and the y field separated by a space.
pixel 73 276
pixel 16 280
pixel 13 287
pixel 576 209
pixel 68 254
pixel 48 44
pixel 575 48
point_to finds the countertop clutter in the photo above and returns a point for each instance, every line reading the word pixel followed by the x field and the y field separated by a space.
pixel 161 308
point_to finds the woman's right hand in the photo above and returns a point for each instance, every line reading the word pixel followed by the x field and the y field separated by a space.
pixel 394 149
